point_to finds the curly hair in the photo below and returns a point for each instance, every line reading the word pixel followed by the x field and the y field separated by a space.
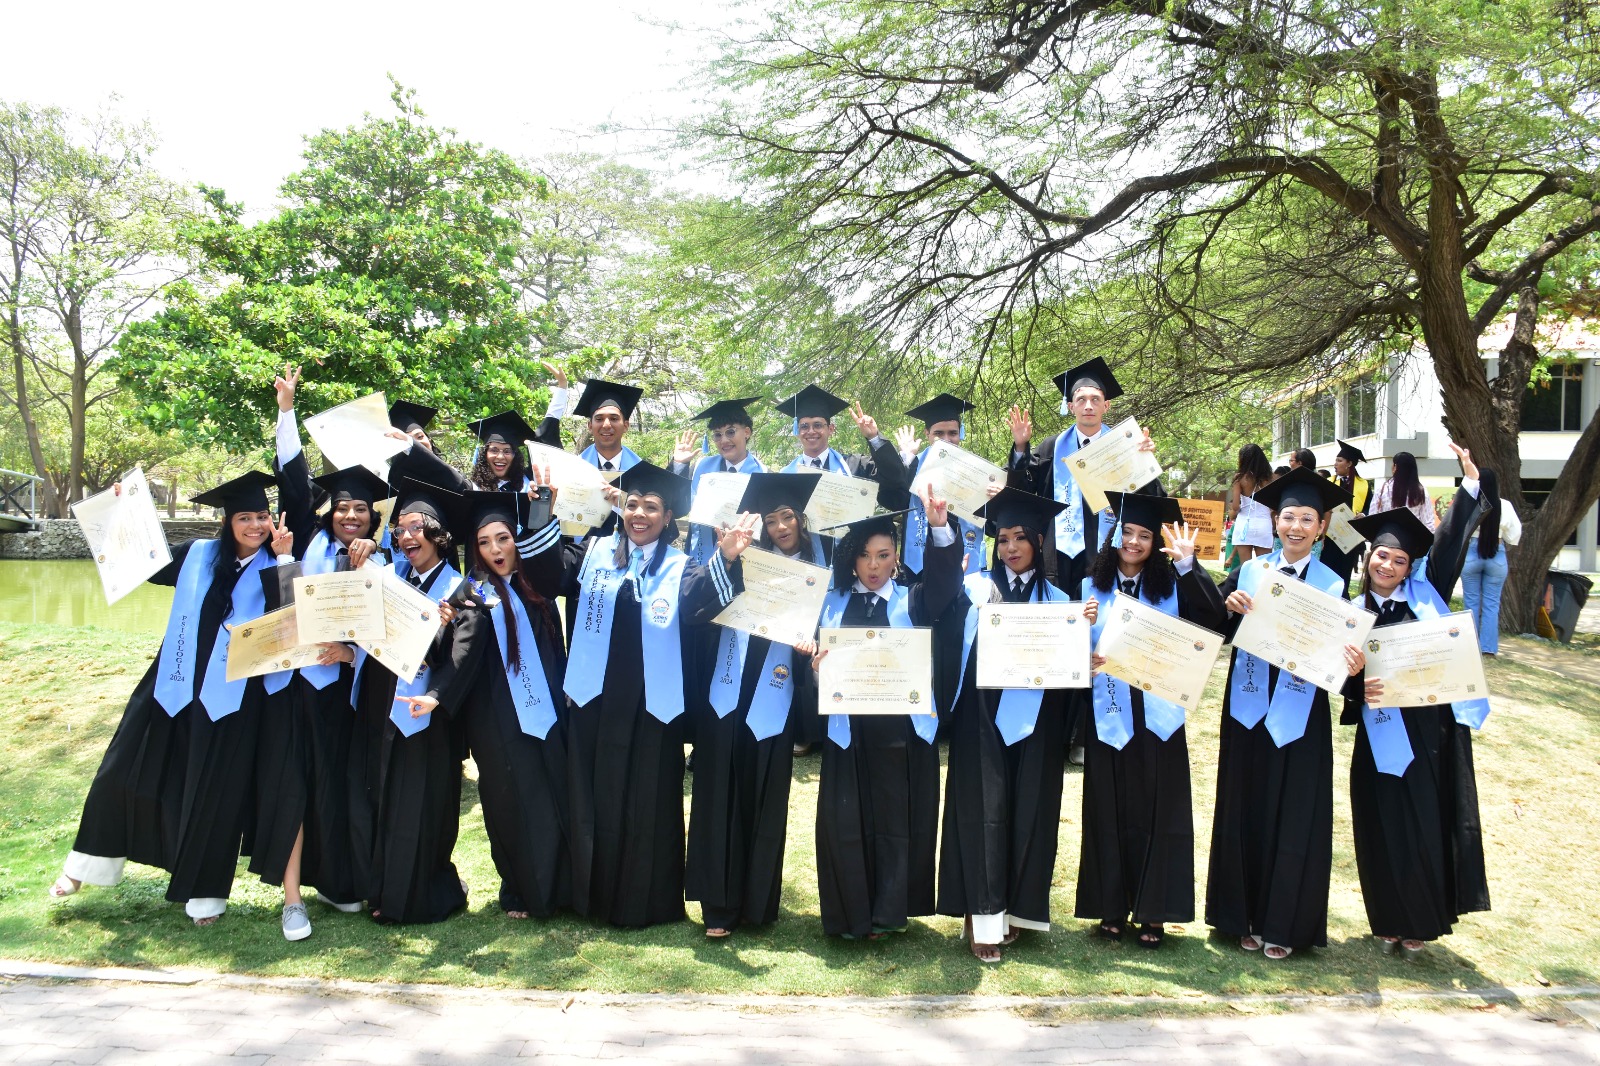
pixel 484 478
pixel 1157 578
pixel 853 545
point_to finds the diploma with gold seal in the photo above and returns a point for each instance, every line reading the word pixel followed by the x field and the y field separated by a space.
pixel 345 605
pixel 1299 628
pixel 268 644
pixel 840 499
pixel 716 500
pixel 1427 662
pixel 1341 532
pixel 962 479
pixel 124 535
pixel 781 599
pixel 580 502
pixel 1155 652
pixel 357 434
pixel 1032 645
pixel 876 671
pixel 410 620
pixel 1113 463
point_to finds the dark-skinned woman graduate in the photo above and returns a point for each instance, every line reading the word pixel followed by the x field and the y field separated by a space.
pixel 878 799
pixel 514 709
pixel 1002 811
pixel 408 747
pixel 174 788
pixel 743 749
pixel 1413 792
pixel 1137 856
pixel 1272 834
pixel 639 608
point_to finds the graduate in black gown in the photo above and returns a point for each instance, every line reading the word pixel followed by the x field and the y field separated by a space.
pixel 1137 856
pixel 639 609
pixel 878 799
pixel 174 787
pixel 738 816
pixel 1272 834
pixel 408 743
pixel 514 709
pixel 1413 792
pixel 1347 475
pixel 1002 809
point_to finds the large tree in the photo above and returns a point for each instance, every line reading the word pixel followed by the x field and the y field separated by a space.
pixel 1272 186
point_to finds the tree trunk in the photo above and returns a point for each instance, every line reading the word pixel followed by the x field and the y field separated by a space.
pixel 78 406
pixel 19 363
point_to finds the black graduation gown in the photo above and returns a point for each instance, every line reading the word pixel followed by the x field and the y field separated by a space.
pixel 174 791
pixel 1418 837
pixel 1332 556
pixel 405 809
pixel 625 767
pixel 1272 833
pixel 1137 855
pixel 1002 810
pixel 522 780
pixel 878 799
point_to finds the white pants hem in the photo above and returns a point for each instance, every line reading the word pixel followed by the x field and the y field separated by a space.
pixel 93 869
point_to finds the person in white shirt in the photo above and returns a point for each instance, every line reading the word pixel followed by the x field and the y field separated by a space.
pixel 1484 575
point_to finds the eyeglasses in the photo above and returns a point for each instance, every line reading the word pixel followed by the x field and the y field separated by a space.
pixel 415 529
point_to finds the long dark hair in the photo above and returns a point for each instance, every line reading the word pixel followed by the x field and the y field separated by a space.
pixel 997 569
pixel 1489 501
pixel 484 478
pixel 1253 465
pixel 544 611
pixel 1157 578
pixel 1405 488
pixel 326 525
pixel 802 542
pixel 669 534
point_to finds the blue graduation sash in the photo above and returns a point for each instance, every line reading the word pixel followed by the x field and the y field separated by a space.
pixel 774 692
pixel 898 611
pixel 917 534
pixel 1069 523
pixel 703 539
pixel 1290 705
pixel 175 669
pixel 1018 713
pixel 530 689
pixel 1113 699
pixel 400 713
pixel 659 633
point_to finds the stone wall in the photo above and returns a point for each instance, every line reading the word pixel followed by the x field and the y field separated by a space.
pixel 59 538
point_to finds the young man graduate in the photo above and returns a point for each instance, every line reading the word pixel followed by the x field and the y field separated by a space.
pixel 941 420
pixel 813 409
pixel 1347 476
pixel 728 429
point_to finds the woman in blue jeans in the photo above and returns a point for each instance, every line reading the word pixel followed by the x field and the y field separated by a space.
pixel 1484 574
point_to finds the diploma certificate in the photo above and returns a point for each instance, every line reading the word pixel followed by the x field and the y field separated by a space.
pixel 124 534
pixel 1303 630
pixel 581 502
pixel 1156 652
pixel 411 621
pixel 1032 645
pixel 1341 532
pixel 716 501
pixel 962 479
pixel 268 644
pixel 876 671
pixel 1113 463
pixel 840 499
pixel 781 599
pixel 1427 662
pixel 356 434
pixel 346 605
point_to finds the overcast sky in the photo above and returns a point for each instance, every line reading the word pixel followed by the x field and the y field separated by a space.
pixel 233 88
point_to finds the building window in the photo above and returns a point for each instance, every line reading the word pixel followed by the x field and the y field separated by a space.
pixel 1536 490
pixel 1288 430
pixel 1323 425
pixel 1361 407
pixel 1556 403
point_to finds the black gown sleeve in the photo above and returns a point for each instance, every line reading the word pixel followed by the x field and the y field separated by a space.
pixel 1199 601
pixel 1031 472
pixel 885 467
pixel 546 570
pixel 1230 622
pixel 1452 540
pixel 940 586
pixel 295 496
pixel 454 658
pixel 702 595
pixel 548 432
pixel 420 462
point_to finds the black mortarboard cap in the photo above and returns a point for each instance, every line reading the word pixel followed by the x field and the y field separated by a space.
pixel 812 402
pixel 1095 372
pixel 1013 507
pixel 647 479
pixel 942 408
pixel 474 510
pixel 1302 488
pixel 507 427
pixel 354 483
pixel 247 492
pixel 1143 509
pixel 404 415
pixel 724 411
pixel 766 492
pixel 424 498
pixel 597 393
pixel 1350 452
pixel 1398 528
pixel 852 536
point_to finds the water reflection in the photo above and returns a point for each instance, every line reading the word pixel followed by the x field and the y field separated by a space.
pixel 69 593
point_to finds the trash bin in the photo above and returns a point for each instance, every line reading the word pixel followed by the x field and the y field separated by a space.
pixel 1565 593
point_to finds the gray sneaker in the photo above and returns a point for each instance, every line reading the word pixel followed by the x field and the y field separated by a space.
pixel 296 926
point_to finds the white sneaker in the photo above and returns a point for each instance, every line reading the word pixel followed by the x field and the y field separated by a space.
pixel 296 926
pixel 343 908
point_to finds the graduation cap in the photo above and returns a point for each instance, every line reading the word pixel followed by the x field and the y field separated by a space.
pixel 647 479
pixel 1398 528
pixel 942 408
pixel 868 526
pixel 507 427
pixel 247 492
pixel 598 393
pixel 354 483
pixel 1301 488
pixel 767 492
pixel 420 497
pixel 812 402
pixel 725 411
pixel 474 510
pixel 1350 452
pixel 1013 507
pixel 406 416
pixel 1142 509
pixel 1094 374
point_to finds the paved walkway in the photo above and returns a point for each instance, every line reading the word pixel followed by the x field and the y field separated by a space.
pixel 243 1022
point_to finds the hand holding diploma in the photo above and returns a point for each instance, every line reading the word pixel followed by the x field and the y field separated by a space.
pixel 124 534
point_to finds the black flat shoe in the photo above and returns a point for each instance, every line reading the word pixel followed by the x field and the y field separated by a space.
pixel 1151 936
pixel 1108 931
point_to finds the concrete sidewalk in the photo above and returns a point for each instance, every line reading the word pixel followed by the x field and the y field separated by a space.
pixel 231 1021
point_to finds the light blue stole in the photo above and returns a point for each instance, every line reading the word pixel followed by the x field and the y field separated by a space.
pixel 322 557
pixel 530 689
pixel 444 583
pixel 898 611
pixel 1018 713
pixel 917 534
pixel 659 634
pixel 703 539
pixel 769 705
pixel 1290 706
pixel 175 669
pixel 833 463
pixel 1113 700
pixel 1386 727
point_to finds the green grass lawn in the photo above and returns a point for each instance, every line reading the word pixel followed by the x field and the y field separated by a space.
pixel 1538 770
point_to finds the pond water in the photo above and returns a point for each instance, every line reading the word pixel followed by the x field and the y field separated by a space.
pixel 68 593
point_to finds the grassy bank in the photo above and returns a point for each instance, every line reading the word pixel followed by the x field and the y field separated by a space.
pixel 1538 770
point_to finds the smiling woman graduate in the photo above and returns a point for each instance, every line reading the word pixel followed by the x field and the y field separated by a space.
pixel 174 787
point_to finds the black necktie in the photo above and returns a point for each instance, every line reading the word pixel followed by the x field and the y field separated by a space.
pixel 1083 444
pixel 416 581
pixel 1130 587
pixel 1016 587
pixel 342 553
pixel 1291 571
pixel 871 600
pixel 607 465
pixel 729 468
